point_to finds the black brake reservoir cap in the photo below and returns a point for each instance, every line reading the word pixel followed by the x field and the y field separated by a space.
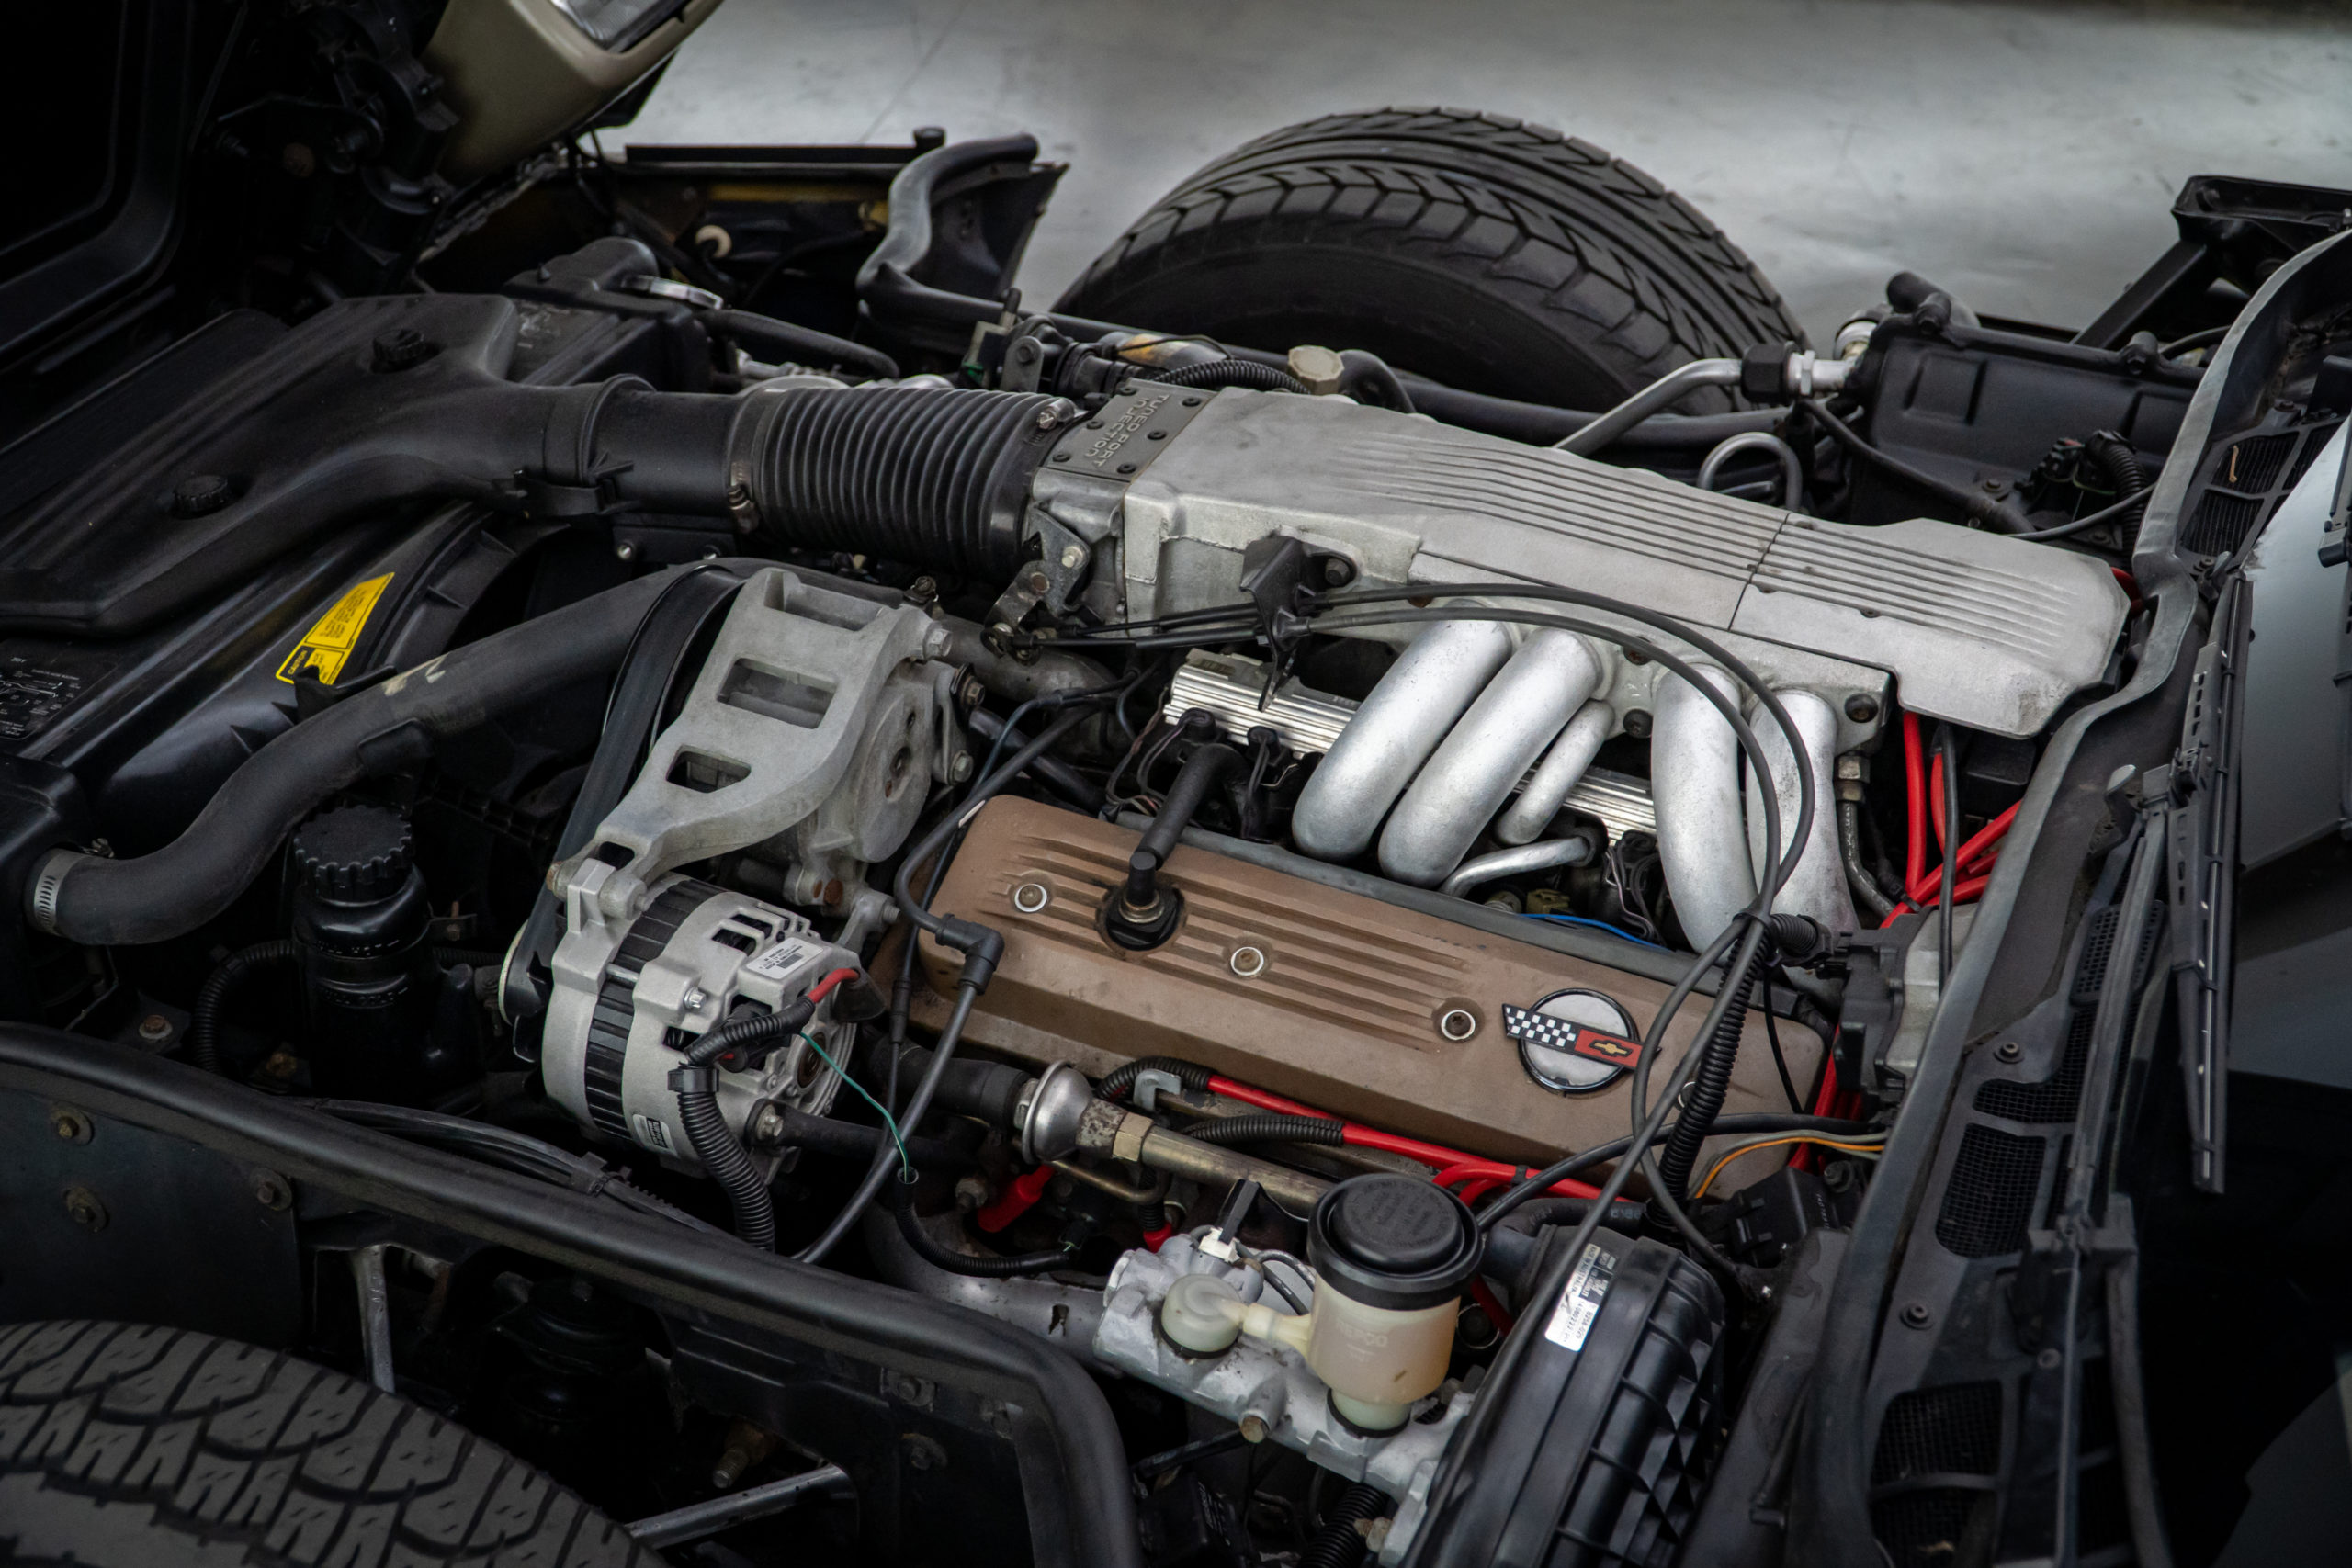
pixel 1394 1241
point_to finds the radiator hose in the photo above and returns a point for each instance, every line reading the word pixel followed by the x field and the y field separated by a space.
pixel 933 477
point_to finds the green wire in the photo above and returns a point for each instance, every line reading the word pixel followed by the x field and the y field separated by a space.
pixel 905 1165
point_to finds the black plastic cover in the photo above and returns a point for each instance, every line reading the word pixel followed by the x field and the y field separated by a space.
pixel 1590 1443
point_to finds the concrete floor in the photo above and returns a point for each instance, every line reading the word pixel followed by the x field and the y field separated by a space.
pixel 2023 155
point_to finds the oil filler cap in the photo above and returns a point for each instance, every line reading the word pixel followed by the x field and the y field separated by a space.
pixel 1392 1241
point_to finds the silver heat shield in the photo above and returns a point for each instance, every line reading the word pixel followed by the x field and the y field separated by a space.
pixel 1988 632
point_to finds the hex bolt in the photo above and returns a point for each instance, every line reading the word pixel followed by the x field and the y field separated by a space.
pixel 694 999
pixel 923 590
pixel 2008 1050
pixel 624 551
pixel 961 768
pixel 82 1206
pixel 766 1125
pixel 1917 1315
pixel 1862 707
pixel 271 1192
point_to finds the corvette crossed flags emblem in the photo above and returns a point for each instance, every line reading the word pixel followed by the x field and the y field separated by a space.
pixel 1533 1028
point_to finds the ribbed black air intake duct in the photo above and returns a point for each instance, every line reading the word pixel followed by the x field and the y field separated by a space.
pixel 935 477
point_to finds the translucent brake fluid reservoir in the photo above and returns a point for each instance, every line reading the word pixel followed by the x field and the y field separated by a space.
pixel 1391 1255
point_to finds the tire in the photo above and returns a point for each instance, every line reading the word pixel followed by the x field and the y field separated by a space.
pixel 1488 253
pixel 131 1446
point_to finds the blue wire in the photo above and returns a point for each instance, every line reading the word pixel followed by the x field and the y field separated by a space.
pixel 1600 926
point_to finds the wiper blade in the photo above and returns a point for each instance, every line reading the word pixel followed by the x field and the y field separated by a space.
pixel 2202 831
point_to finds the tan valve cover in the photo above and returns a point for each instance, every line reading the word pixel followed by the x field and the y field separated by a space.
pixel 1343 1013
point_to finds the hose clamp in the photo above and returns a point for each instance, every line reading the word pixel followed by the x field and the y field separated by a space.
pixel 48 888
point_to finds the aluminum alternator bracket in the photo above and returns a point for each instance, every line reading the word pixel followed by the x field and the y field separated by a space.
pixel 810 730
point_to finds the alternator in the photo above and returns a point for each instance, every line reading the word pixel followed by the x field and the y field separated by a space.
pixel 622 1015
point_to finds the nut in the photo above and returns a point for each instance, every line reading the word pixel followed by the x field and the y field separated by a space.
pixel 624 551
pixel 82 1206
pixel 271 1192
pixel 1247 963
pixel 154 1029
pixel 1862 707
pixel 1032 896
pixel 1457 1024
pixel 1253 1429
pixel 1637 723
pixel 1319 368
pixel 2008 1051
pixel 70 1126
pixel 1917 1315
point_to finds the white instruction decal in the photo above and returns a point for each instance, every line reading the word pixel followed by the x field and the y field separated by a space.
pixel 1580 1302
pixel 781 959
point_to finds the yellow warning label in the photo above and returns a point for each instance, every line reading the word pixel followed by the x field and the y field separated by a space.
pixel 333 635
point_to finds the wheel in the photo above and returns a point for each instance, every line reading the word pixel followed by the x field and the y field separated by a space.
pixel 1481 251
pixel 131 1446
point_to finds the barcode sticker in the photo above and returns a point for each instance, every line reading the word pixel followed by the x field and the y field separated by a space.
pixel 781 959
pixel 1580 1302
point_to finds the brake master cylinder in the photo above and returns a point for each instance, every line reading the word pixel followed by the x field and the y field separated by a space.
pixel 1391 1256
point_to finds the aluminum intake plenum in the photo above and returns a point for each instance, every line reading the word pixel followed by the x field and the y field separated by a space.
pixel 1985 631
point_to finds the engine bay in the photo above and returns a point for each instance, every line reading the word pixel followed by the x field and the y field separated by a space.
pixel 944 931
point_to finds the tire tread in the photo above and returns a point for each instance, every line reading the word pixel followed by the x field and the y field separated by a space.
pixel 220 1445
pixel 1566 234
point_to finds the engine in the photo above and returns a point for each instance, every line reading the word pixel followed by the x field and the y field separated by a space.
pixel 1149 821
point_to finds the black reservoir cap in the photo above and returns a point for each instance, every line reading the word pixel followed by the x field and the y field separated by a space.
pixel 1394 1241
pixel 354 855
